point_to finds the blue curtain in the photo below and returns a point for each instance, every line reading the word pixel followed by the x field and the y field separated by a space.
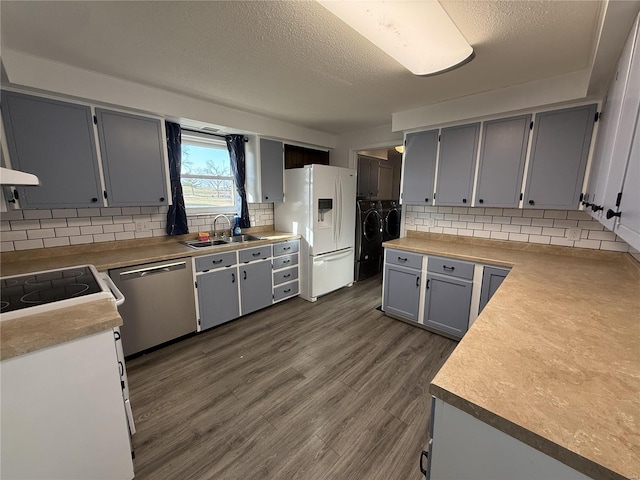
pixel 177 214
pixel 235 144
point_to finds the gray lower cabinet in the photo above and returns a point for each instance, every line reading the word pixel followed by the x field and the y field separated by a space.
pixel 255 285
pixel 285 269
pixel 492 278
pixel 559 151
pixel 419 167
pixel 447 304
pixel 218 300
pixel 53 140
pixel 133 158
pixel 401 291
pixel 502 158
pixel 456 164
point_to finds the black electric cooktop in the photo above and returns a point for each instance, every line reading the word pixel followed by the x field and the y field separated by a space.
pixel 35 289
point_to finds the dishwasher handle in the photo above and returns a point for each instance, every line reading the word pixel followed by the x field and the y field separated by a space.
pixel 143 272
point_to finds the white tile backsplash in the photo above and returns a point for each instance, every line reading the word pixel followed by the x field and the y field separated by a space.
pixel 548 227
pixel 28 229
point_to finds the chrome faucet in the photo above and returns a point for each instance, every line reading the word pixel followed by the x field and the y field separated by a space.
pixel 215 235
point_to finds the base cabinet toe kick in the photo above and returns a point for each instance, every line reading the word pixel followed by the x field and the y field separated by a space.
pixel 441 294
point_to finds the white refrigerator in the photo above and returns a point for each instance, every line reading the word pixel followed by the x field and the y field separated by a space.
pixel 320 204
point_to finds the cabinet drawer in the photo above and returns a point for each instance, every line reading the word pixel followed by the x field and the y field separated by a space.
pixel 257 253
pixel 286 275
pixel 219 260
pixel 285 261
pixel 285 248
pixel 447 266
pixel 406 259
pixel 284 291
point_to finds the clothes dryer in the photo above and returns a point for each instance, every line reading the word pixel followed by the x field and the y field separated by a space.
pixel 391 213
pixel 369 226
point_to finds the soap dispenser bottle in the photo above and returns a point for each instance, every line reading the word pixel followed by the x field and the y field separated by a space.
pixel 236 226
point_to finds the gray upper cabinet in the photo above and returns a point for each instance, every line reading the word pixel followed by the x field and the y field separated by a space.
pixel 502 158
pixel 133 159
pixel 265 170
pixel 456 162
pixel 419 166
pixel 255 286
pixel 560 147
pixel 368 171
pixel 272 170
pixel 53 140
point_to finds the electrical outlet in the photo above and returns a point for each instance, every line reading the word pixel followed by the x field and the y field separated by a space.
pixel 431 222
pixel 142 226
pixel 574 233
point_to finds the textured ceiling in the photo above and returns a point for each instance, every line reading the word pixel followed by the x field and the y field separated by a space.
pixel 293 60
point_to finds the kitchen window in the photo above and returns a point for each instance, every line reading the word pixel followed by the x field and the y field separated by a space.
pixel 207 181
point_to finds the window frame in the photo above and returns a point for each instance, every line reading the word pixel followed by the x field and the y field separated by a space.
pixel 208 141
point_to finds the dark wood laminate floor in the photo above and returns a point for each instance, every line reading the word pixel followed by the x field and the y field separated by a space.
pixel 326 391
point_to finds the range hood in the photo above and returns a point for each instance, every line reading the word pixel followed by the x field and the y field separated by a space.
pixel 16 177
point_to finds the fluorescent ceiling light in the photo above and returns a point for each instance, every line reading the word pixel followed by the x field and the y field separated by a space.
pixel 417 34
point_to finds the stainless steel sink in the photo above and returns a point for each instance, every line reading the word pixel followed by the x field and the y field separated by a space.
pixel 243 238
pixel 197 244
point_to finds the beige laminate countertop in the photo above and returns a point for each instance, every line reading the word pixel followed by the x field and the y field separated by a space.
pixel 554 358
pixel 34 332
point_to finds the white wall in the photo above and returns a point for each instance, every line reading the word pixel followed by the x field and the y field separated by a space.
pixel 57 78
pixel 344 154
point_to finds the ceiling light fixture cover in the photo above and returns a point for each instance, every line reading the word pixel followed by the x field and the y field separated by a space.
pixel 417 34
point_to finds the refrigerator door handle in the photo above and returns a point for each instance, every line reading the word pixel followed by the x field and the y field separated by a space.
pixel 339 209
pixel 336 211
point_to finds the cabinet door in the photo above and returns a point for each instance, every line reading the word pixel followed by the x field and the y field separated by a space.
pixel 559 152
pixel 447 304
pixel 55 141
pixel 456 162
pixel 363 177
pixel 133 159
pixel 605 163
pixel 502 156
pixel 218 297
pixel 629 225
pixel 623 144
pixel 492 278
pixel 419 167
pixel 255 286
pixel 401 295
pixel 272 170
pixel 374 173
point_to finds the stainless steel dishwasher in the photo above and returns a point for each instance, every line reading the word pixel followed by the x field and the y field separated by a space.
pixel 159 303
